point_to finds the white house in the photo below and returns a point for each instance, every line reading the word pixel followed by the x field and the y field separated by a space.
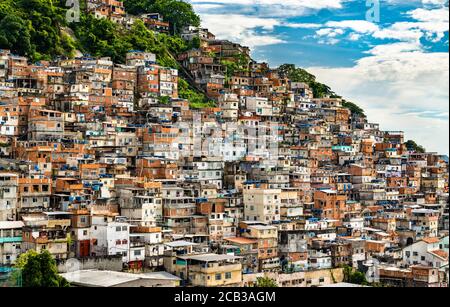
pixel 425 252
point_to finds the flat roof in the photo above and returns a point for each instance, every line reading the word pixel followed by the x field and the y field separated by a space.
pixel 343 285
pixel 241 240
pixel 163 275
pixel 11 224
pixel 262 227
pixel 97 278
pixel 9 175
pixel 210 257
pixel 58 213
pixel 180 243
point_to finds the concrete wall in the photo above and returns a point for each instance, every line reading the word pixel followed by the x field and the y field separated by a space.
pixel 97 263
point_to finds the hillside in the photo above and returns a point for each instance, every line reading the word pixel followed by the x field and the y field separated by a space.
pixel 38 29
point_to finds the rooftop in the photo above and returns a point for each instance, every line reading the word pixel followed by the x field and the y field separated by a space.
pixel 210 257
pixel 96 278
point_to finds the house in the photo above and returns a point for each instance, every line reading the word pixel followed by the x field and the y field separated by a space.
pixel 425 252
pixel 8 196
pixel 111 236
pixel 10 241
pixel 209 270
pixel 262 204
pixel 329 204
pixel 47 231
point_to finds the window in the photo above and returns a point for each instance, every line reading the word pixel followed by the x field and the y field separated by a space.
pixel 118 229
pixel 218 276
pixel 228 275
pixel 137 252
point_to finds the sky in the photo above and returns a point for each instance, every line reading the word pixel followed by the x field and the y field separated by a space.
pixel 390 57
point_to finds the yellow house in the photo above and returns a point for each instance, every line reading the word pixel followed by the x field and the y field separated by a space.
pixel 210 270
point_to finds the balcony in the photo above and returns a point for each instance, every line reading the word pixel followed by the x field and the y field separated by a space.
pixel 60 223
pixel 137 244
pixel 10 240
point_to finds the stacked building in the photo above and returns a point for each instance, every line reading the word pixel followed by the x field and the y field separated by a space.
pixel 104 160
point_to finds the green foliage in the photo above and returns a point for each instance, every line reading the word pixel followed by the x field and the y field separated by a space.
pixel 196 99
pixel 300 75
pixel 320 90
pixel 178 13
pixel 104 38
pixel 39 270
pixel 100 37
pixel 231 69
pixel 239 64
pixel 266 282
pixel 164 100
pixel 33 28
pixel 15 36
pixel 354 277
pixel 195 43
pixel 413 146
pixel 353 108
pixel 295 74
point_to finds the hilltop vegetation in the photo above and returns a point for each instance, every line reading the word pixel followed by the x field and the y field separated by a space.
pixel 33 28
pixel 412 145
pixel 320 90
pixel 179 13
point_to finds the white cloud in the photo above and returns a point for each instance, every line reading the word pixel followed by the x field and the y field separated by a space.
pixel 435 2
pixel 241 20
pixel 302 25
pixel 359 26
pixel 275 8
pixel 431 24
pixel 242 29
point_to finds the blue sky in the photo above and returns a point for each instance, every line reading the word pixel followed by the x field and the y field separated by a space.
pixel 396 68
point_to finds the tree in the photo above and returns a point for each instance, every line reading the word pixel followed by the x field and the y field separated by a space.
pixel 39 270
pixel 164 100
pixel 295 74
pixel 266 282
pixel 413 146
pixel 354 277
pixel 15 35
pixel 196 99
pixel 178 13
pixel 353 108
pixel 33 28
